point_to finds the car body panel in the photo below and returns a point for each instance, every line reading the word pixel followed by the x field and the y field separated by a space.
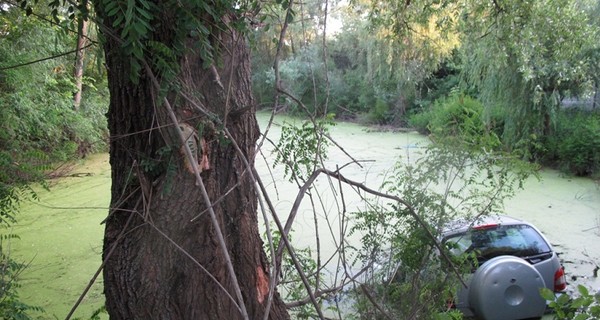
pixel 507 249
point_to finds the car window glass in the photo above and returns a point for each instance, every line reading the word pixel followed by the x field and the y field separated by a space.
pixel 518 240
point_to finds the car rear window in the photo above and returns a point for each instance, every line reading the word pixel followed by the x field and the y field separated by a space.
pixel 518 240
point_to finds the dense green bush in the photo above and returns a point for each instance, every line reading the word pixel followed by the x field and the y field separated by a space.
pixel 574 146
pixel 40 125
pixel 440 83
pixel 36 100
pixel 380 113
pixel 458 116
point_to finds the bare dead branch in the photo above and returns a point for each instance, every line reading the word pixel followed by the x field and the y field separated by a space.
pixel 361 186
pixel 45 59
pixel 321 293
pixel 369 296
pixel 288 246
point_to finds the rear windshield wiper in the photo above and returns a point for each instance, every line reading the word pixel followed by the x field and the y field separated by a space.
pixel 533 259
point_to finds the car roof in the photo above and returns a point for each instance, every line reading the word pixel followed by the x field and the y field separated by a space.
pixel 463 225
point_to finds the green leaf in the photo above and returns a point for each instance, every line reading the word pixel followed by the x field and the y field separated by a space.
pixel 145 4
pixel 118 21
pixel 138 52
pixel 113 11
pixel 129 13
pixel 111 5
pixel 579 302
pixel 581 316
pixel 135 71
pixel 583 290
pixel 563 299
pixel 140 29
pixel 144 13
pixel 547 294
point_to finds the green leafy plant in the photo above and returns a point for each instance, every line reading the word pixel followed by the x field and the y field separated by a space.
pixel 11 306
pixel 290 283
pixel 36 100
pixel 584 306
pixel 301 148
pixel 451 180
pixel 460 116
pixel 380 112
pixel 575 145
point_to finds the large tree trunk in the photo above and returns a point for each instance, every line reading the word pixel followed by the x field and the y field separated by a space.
pixel 163 259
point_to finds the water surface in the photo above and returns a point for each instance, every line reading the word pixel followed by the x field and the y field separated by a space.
pixel 61 235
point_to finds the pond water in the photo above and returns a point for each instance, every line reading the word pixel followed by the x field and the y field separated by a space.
pixel 566 209
pixel 61 234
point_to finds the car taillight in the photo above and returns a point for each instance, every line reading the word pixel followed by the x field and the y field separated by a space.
pixel 560 282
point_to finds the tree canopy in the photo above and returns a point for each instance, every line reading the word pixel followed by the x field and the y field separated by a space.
pixel 180 91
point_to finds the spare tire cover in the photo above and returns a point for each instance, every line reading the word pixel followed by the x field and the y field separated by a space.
pixel 507 287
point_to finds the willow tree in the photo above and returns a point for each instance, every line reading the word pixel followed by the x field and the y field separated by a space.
pixel 524 57
pixel 181 240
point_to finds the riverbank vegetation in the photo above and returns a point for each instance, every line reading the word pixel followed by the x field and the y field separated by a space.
pixel 531 67
pixel 512 78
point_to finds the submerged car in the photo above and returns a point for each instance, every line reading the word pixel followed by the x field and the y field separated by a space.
pixel 513 262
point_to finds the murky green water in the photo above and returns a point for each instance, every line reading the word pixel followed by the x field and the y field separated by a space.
pixel 566 209
pixel 61 235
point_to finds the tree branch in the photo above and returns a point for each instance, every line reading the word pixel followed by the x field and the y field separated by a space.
pixel 44 59
pixel 365 290
pixel 337 175
pixel 321 293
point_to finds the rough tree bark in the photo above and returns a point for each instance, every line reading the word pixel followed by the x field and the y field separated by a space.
pixel 159 235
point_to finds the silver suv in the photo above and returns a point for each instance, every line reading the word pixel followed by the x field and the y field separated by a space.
pixel 514 260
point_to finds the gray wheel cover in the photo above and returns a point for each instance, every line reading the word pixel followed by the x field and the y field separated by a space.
pixel 507 287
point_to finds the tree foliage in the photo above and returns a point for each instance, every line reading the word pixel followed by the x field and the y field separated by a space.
pixel 37 92
pixel 414 277
pixel 586 305
pixel 11 306
pixel 40 126
pixel 526 58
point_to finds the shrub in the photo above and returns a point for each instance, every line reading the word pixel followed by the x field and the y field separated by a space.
pixel 575 145
pixel 585 306
pixel 420 121
pixel 458 116
pixel 11 307
pixel 380 113
pixel 452 181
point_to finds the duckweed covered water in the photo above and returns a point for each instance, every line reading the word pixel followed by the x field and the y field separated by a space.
pixel 61 235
